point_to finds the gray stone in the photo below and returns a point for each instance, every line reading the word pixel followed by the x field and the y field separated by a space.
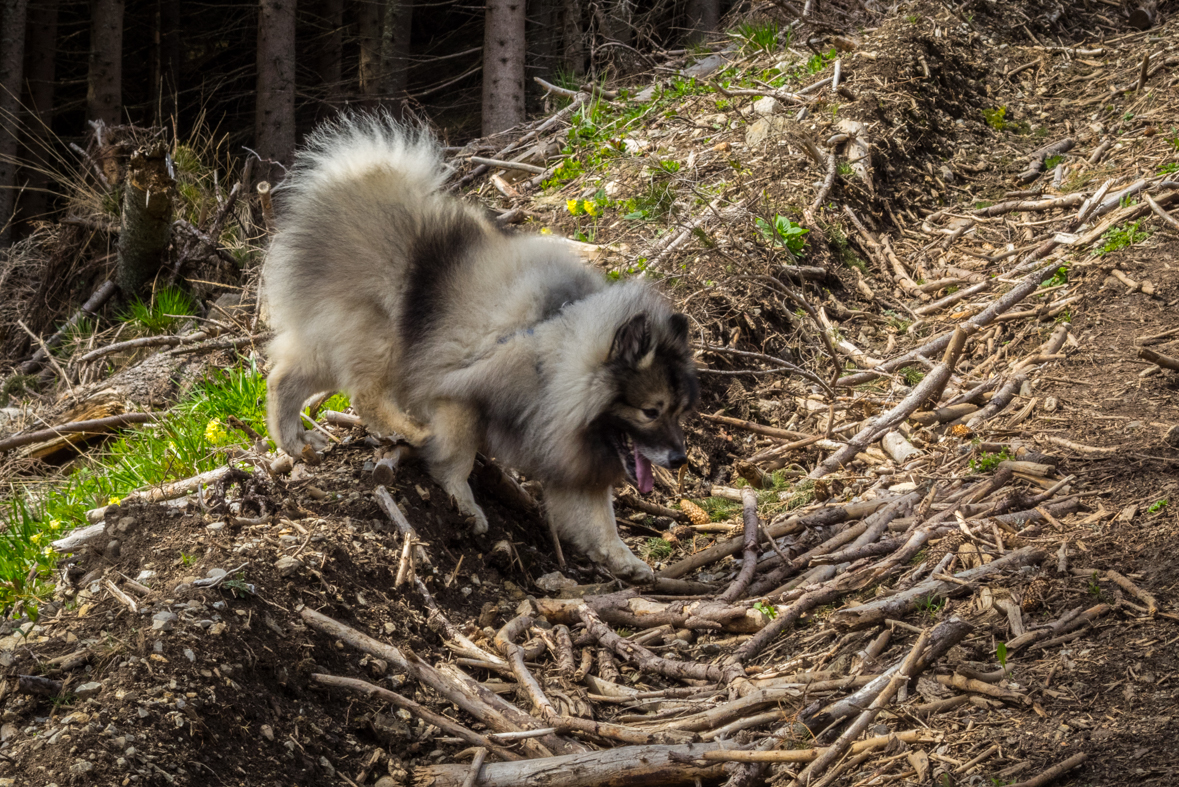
pixel 82 766
pixel 88 690
pixel 757 132
pixel 163 621
pixel 288 566
pixel 215 573
pixel 765 106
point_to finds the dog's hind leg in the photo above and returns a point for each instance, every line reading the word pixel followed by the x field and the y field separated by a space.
pixel 286 389
pixel 585 518
pixel 450 451
pixel 377 409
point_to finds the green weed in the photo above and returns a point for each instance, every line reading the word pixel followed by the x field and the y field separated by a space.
pixel 1157 506
pixel 996 118
pixel 783 233
pixel 1058 278
pixel 818 62
pixel 1051 162
pixel 912 375
pixel 1121 237
pixel 769 610
pixel 988 461
pixel 931 605
pixel 1169 169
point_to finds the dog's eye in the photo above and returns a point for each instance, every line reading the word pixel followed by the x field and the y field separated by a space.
pixel 651 413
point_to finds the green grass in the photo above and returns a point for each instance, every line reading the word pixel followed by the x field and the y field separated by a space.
pixel 783 233
pixel 1058 278
pixel 912 375
pixel 189 439
pixel 759 36
pixel 1169 168
pixel 656 549
pixel 167 307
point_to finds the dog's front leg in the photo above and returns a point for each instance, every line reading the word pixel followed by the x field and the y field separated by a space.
pixel 585 519
pixel 450 451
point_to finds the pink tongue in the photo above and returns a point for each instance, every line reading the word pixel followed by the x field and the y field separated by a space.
pixel 643 477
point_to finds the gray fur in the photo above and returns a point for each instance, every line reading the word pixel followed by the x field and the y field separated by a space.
pixel 462 338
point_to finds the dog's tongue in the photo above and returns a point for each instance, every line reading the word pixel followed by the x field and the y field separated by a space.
pixel 643 477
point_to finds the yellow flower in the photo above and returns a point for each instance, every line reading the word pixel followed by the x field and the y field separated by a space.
pixel 215 433
pixel 35 538
pixel 55 524
pixel 574 206
pixel 545 231
pixel 114 501
pixel 47 552
pixel 592 208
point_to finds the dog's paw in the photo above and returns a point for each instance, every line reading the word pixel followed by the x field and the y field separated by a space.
pixel 478 521
pixel 312 439
pixel 622 563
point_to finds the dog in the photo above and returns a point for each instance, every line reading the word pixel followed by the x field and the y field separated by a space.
pixel 461 337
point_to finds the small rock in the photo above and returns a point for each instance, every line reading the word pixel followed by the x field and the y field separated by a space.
pixel 267 732
pixel 88 690
pixel 7 731
pixel 216 573
pixel 182 589
pixel 757 133
pixel 645 95
pixel 163 621
pixel 114 548
pixel 82 766
pixel 765 106
pixel 215 527
pixel 288 566
pixel 145 575
pixel 554 582
pixel 188 654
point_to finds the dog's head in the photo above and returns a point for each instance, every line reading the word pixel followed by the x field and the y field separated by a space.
pixel 654 380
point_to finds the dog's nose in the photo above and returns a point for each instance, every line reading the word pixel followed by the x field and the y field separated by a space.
pixel 677 459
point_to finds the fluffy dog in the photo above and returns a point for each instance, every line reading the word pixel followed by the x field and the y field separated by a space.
pixel 463 338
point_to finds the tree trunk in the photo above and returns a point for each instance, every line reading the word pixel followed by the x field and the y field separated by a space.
pixel 573 32
pixel 620 22
pixel 104 98
pixel 503 65
pixel 166 56
pixel 147 219
pixel 274 114
pixel 40 54
pixel 330 52
pixel 703 18
pixel 12 62
pixel 395 35
pixel 544 39
pixel 368 24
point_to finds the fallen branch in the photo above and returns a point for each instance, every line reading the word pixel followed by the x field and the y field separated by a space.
pixel 95 426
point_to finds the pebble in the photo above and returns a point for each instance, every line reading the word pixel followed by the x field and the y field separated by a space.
pixel 7 731
pixel 288 566
pixel 88 690
pixel 145 575
pixel 114 548
pixel 163 621
pixel 765 106
pixel 215 527
pixel 188 654
pixel 82 766
pixel 267 732
pixel 216 573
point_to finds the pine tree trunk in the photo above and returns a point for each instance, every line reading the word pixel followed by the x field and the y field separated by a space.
pixel 503 65
pixel 703 18
pixel 573 32
pixel 12 62
pixel 104 98
pixel 274 114
pixel 544 39
pixel 166 79
pixel 620 22
pixel 368 24
pixel 40 72
pixel 395 34
pixel 330 52
pixel 147 219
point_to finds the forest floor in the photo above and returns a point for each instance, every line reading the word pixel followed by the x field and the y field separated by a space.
pixel 990 523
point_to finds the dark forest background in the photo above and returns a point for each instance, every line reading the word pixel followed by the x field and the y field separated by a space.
pixel 259 75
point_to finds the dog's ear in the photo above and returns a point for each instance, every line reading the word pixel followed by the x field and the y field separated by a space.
pixel 679 327
pixel 632 342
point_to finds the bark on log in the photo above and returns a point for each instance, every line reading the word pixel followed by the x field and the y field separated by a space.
pixel 625 766
pixel 147 218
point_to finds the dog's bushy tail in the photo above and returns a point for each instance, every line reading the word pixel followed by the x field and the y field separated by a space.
pixel 356 145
